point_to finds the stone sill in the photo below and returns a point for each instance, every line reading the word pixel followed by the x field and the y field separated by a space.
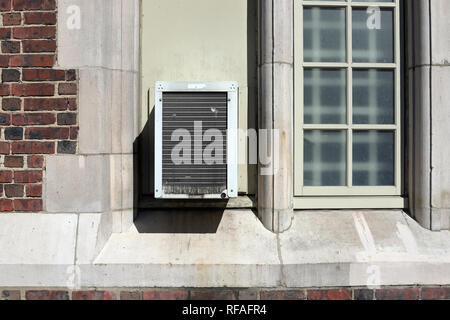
pixel 321 249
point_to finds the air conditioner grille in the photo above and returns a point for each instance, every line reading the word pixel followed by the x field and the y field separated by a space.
pixel 184 110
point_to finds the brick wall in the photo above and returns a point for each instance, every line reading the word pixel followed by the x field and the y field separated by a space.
pixel 385 293
pixel 38 101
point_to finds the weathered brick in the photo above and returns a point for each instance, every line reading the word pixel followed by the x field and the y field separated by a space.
pixel 14 190
pixel 11 104
pixel 34 190
pixel 22 5
pixel 5 119
pixel 33 89
pixel 5 33
pixel 67 89
pixel 93 295
pixel 47 133
pixel 40 32
pixel 28 176
pixel 283 295
pixel 36 60
pixel 71 75
pixel 10 295
pixel 47 104
pixel 10 47
pixel 67 119
pixel 29 147
pixel 5 90
pixel 5 147
pixel 14 162
pixel 5 5
pixel 397 294
pixel 28 205
pixel 35 161
pixel 12 19
pixel 435 293
pixel 6 176
pixel 67 147
pixel 4 61
pixel 10 75
pixel 248 295
pixel 46 295
pixel 165 295
pixel 48 18
pixel 214 294
pixel 74 133
pixel 14 133
pixel 130 295
pixel 6 205
pixel 330 294
pixel 27 119
pixel 43 75
pixel 35 46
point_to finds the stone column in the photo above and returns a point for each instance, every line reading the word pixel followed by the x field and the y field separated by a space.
pixel 276 91
pixel 428 70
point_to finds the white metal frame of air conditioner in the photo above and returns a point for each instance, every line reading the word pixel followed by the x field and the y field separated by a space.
pixel 232 90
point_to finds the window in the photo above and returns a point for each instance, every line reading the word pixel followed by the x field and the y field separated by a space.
pixel 348 128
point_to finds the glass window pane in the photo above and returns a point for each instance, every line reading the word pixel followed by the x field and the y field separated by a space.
pixel 325 158
pixel 373 158
pixel 325 96
pixel 373 35
pixel 373 97
pixel 324 34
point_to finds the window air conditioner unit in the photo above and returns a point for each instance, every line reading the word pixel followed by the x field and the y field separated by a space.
pixel 196 147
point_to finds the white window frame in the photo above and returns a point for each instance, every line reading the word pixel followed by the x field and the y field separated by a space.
pixel 347 196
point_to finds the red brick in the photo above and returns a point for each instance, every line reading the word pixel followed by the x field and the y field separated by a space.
pixel 10 47
pixel 13 162
pixel 11 104
pixel 283 295
pixel 35 161
pixel 6 176
pixel 28 119
pixel 5 5
pixel 5 90
pixel 67 89
pixel 23 5
pixel 5 33
pixel 5 119
pixel 130 295
pixel 33 190
pixel 45 104
pixel 436 294
pixel 4 60
pixel 33 89
pixel 47 32
pixel 47 295
pixel 6 205
pixel 43 75
pixel 34 46
pixel 5 147
pixel 14 190
pixel 29 176
pixel 48 18
pixel 74 133
pixel 28 147
pixel 93 295
pixel 71 75
pixel 214 294
pixel 10 295
pixel 36 60
pixel 28 205
pixel 12 19
pixel 331 294
pixel 67 119
pixel 165 295
pixel 47 133
pixel 397 294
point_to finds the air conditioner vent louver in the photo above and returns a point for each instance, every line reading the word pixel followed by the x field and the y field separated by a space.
pixel 204 113
pixel 182 110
